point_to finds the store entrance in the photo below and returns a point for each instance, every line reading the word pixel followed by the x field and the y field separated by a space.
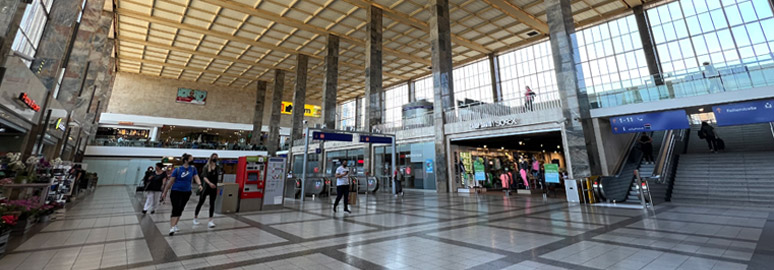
pixel 482 161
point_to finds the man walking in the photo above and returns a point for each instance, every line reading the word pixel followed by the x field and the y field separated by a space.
pixel 342 186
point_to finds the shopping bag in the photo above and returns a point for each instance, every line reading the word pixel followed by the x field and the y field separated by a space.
pixel 353 198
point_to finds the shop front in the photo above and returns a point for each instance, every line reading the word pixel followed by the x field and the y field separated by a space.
pixel 21 98
pixel 414 163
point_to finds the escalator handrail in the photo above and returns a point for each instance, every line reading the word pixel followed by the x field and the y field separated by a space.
pixel 667 145
pixel 632 145
pixel 666 159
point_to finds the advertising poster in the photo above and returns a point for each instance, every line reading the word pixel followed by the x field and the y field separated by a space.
pixel 429 166
pixel 552 173
pixel 191 96
pixel 478 169
pixel 309 110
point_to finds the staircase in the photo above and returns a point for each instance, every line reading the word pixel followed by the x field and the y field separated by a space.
pixel 746 138
pixel 731 178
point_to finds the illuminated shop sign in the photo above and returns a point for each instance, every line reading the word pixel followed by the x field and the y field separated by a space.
pixel 494 123
pixel 29 102
pixel 60 125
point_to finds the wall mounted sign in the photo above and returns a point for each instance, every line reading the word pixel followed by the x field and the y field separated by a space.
pixel 761 111
pixel 309 110
pixel 634 123
pixel 552 173
pixel 429 166
pixel 190 96
pixel 60 125
pixel 24 98
pixel 494 123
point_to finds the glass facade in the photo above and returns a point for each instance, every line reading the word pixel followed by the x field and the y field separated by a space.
pixel 609 56
pixel 423 89
pixel 473 82
pixel 347 114
pixel 690 33
pixel 31 29
pixel 394 98
pixel 531 66
pixel 410 161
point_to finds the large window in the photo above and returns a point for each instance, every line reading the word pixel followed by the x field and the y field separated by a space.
pixel 347 115
pixel 531 66
pixel 610 56
pixel 689 33
pixel 394 98
pixel 473 82
pixel 31 29
pixel 423 89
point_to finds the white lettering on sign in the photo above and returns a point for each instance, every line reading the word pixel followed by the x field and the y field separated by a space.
pixel 494 123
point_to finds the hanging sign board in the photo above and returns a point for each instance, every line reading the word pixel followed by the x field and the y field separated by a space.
pixel 634 123
pixel 309 110
pixel 330 136
pixel 375 139
pixel 743 113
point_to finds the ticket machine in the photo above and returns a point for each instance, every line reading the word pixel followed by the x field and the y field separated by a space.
pixel 251 177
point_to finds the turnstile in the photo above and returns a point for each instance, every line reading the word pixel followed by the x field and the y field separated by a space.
pixel 315 186
pixel 292 188
pixel 227 199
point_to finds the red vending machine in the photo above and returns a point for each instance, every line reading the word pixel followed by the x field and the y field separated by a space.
pixel 251 177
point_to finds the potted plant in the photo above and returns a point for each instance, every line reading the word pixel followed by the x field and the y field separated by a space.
pixel 7 222
pixel 27 209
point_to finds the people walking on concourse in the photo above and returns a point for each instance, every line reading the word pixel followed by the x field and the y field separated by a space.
pixel 179 187
pixel 715 85
pixel 342 186
pixel 210 177
pixel 155 182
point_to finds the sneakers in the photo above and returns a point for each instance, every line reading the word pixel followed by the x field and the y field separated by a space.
pixel 196 221
pixel 153 212
pixel 173 230
pixel 211 224
pixel 347 210
pixel 144 212
pixel 334 209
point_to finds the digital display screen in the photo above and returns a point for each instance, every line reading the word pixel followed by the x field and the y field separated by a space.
pixel 252 177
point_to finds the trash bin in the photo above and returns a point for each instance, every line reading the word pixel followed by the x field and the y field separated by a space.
pixel 228 198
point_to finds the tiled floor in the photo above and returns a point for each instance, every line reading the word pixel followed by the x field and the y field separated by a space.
pixel 419 231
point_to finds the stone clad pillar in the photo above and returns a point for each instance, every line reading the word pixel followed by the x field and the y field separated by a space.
pixel 494 73
pixel 578 133
pixel 272 145
pixel 651 55
pixel 299 98
pixel 443 89
pixel 358 113
pixel 260 96
pixel 412 91
pixel 330 82
pixel 373 69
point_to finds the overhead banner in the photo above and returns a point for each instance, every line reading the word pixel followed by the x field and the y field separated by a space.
pixel 330 136
pixel 375 139
pixel 309 110
pixel 634 123
pixel 761 111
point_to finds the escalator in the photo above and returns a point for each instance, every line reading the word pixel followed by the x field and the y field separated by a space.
pixel 619 188
pixel 655 178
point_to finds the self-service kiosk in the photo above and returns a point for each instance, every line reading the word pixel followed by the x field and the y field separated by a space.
pixel 251 177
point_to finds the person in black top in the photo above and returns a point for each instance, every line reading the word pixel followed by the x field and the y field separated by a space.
pixel 646 145
pixel 707 132
pixel 153 186
pixel 148 174
pixel 210 176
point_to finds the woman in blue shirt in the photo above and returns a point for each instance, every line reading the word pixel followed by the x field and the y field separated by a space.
pixel 180 184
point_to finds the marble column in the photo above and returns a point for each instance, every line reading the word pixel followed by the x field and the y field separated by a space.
pixel 55 41
pixel 412 91
pixel 10 18
pixel 494 72
pixel 299 98
pixel 373 69
pixel 578 132
pixel 443 89
pixel 358 113
pixel 260 97
pixel 651 54
pixel 330 82
pixel 272 145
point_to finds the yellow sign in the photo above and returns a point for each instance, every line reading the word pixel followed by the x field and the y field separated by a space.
pixel 309 110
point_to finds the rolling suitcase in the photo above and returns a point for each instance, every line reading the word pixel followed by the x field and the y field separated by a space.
pixel 721 145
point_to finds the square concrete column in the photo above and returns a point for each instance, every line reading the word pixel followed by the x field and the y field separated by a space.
pixel 443 90
pixel 578 133
pixel 373 69
pixel 299 97
pixel 358 113
pixel 651 55
pixel 260 97
pixel 272 145
pixel 330 82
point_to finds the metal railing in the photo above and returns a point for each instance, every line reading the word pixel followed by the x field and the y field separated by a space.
pixel 180 145
pixel 419 121
pixel 726 79
pixel 488 110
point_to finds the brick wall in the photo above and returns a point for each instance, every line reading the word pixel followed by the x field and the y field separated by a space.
pixel 145 95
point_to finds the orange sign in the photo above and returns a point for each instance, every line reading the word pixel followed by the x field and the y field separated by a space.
pixel 29 102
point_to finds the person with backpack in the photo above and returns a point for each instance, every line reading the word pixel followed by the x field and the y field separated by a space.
pixel 646 145
pixel 707 133
pixel 155 182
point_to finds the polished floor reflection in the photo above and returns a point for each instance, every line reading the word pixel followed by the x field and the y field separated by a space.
pixel 419 231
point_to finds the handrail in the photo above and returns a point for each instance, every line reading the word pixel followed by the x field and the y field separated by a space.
pixel 632 145
pixel 667 144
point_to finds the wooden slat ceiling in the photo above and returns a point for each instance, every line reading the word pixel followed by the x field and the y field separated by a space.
pixel 236 42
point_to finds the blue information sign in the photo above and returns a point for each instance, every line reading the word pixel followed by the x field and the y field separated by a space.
pixel 330 136
pixel 375 139
pixel 667 120
pixel 743 113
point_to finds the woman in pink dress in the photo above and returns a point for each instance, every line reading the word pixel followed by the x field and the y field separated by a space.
pixel 523 167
